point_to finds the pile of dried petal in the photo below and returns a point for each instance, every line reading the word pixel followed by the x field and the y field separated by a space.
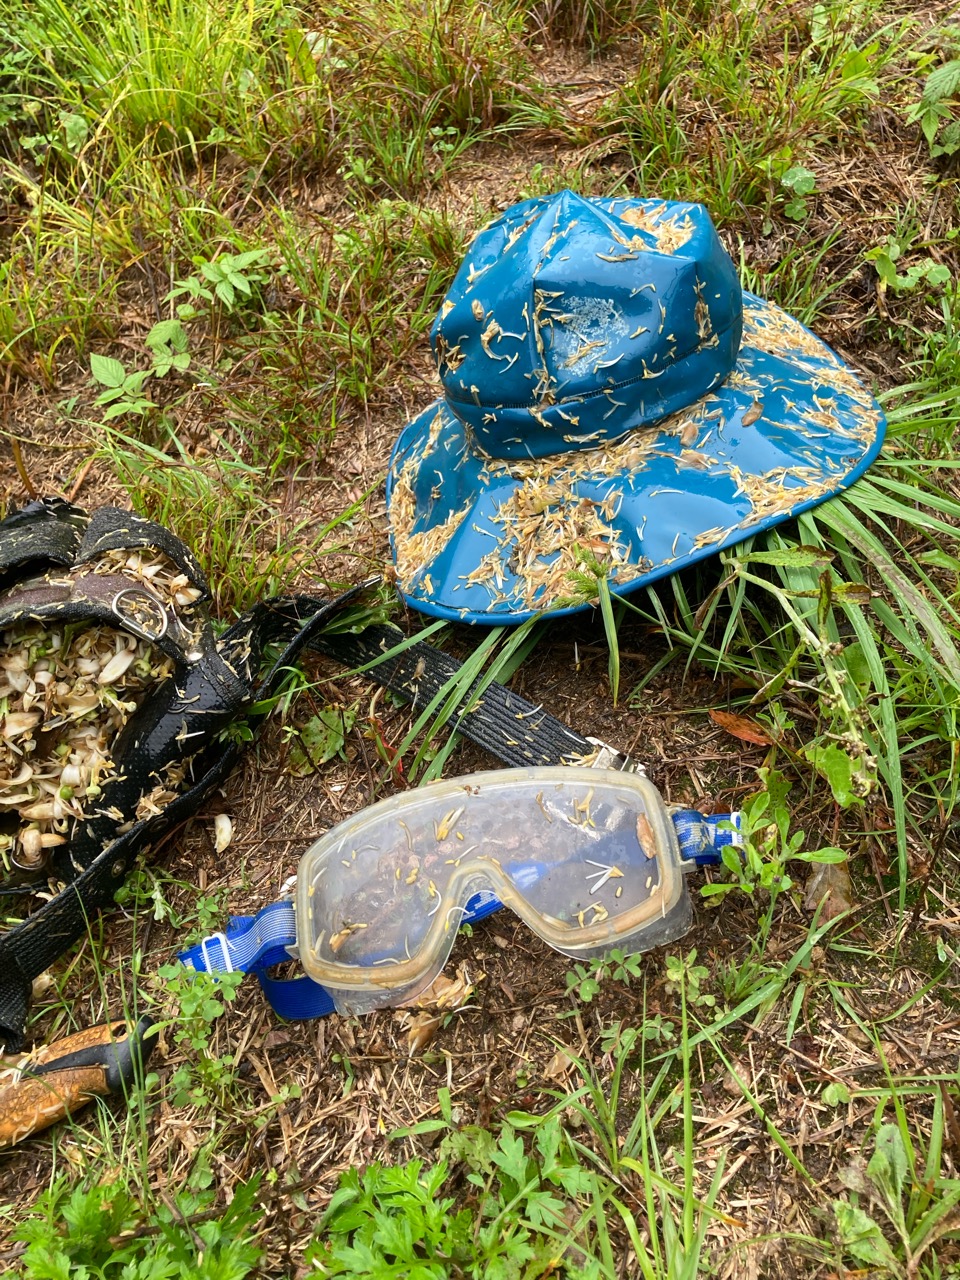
pixel 154 570
pixel 444 995
pixel 65 694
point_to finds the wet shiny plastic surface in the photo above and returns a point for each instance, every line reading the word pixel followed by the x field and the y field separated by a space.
pixel 588 858
pixel 609 388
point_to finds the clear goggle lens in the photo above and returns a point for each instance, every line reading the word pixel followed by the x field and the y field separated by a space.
pixel 588 858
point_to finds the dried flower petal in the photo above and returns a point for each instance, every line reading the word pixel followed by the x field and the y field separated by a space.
pixel 223 832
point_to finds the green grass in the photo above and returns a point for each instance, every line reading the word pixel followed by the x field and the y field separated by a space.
pixel 226 229
pixel 450 66
pixel 172 77
pixel 724 102
pixel 220 508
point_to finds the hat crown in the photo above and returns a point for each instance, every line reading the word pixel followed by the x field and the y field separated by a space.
pixel 574 320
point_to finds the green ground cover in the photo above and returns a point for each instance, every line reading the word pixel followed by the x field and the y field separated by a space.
pixel 225 229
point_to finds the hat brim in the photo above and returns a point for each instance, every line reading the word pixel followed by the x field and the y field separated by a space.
pixel 486 540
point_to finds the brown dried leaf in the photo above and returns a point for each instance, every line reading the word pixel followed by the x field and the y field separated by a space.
pixel 829 884
pixel 645 837
pixel 559 1066
pixel 442 996
pixel 732 1077
pixel 742 728
pixel 752 414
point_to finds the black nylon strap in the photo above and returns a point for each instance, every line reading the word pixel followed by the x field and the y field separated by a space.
pixel 32 946
pixel 113 529
pixel 42 534
pixel 109 600
pixel 510 727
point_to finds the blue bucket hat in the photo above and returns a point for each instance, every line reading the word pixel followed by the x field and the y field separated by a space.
pixel 614 405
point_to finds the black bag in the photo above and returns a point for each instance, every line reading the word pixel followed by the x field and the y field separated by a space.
pixel 115 696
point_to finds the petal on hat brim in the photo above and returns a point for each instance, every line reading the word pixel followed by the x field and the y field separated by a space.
pixel 484 540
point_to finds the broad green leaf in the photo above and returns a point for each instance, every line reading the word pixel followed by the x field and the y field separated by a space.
pixel 835 1093
pixel 857 66
pixel 250 258
pixel 930 123
pixel 300 54
pixel 542 1208
pixel 949 143
pixel 128 406
pixel 510 1157
pixel 107 371
pixel 837 767
pixel 423 1126
pixel 796 209
pixel 857 665
pixel 856 591
pixel 826 856
pixel 717 890
pixel 942 82
pixel 795 557
pixel 133 382
pixel 76 130
pixel 861 1237
pixel 940 559
pixel 167 333
pixel 321 738
pixel 799 179
pixel 888 1165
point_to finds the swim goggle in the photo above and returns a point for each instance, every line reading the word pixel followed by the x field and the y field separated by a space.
pixel 592 860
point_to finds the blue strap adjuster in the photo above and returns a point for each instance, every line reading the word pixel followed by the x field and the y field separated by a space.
pixel 703 837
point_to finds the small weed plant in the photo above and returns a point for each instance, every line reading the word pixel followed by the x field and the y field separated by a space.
pixel 926 271
pixel 938 111
pixel 205 1077
pixel 896 1212
pixel 775 104
pixel 222 286
pixel 584 981
pixel 96 1228
pixel 396 1220
pixel 759 866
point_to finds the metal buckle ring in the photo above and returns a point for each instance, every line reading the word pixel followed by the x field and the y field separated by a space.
pixel 141 596
pixel 608 757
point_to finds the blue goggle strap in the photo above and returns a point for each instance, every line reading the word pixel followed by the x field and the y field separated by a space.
pixel 702 838
pixel 257 943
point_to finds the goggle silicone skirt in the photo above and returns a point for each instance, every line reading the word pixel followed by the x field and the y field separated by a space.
pixel 589 859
